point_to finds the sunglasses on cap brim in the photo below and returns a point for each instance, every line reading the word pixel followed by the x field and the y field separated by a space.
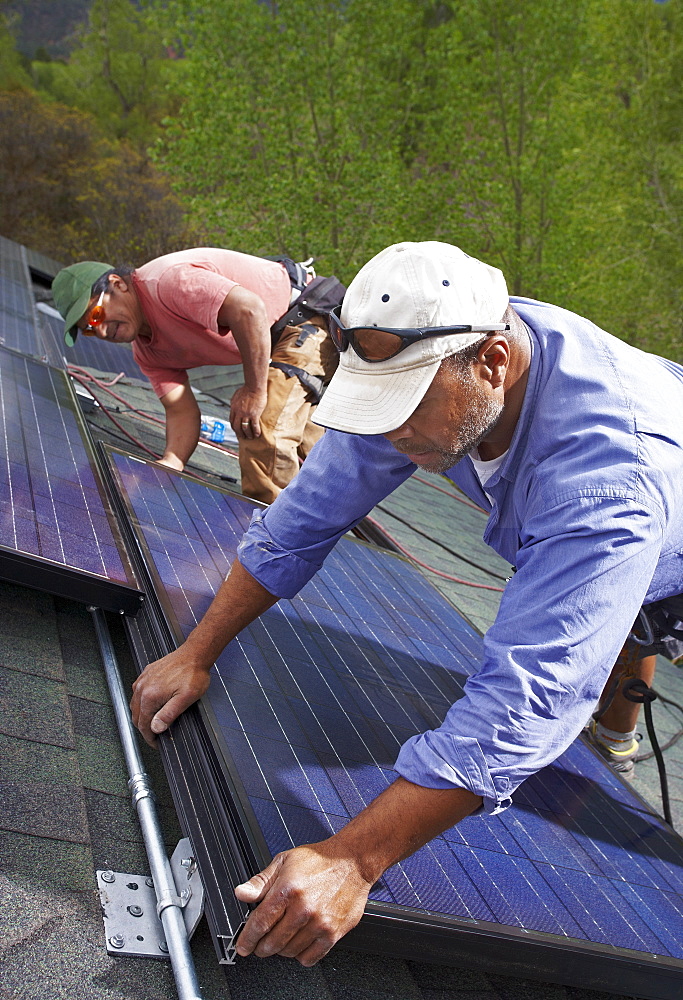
pixel 377 343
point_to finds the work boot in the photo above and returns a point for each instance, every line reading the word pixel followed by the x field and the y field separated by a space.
pixel 619 749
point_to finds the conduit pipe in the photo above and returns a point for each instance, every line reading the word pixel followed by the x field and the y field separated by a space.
pixel 168 902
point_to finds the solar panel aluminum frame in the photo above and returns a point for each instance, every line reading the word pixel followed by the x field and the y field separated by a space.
pixel 403 932
pixel 40 573
pixel 204 802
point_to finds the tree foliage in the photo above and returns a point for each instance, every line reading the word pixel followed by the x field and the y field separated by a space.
pixel 291 127
pixel 540 135
pixel 13 71
pixel 625 231
pixel 71 193
pixel 118 71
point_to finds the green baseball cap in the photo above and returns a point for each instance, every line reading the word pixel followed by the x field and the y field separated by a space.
pixel 72 291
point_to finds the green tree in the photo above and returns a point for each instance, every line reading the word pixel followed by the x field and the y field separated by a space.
pixel 13 72
pixel 118 71
pixel 292 129
pixel 627 221
pixel 71 193
pixel 489 176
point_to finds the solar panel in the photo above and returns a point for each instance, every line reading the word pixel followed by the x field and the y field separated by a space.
pixel 18 328
pixel 88 352
pixel 41 264
pixel 58 531
pixel 307 710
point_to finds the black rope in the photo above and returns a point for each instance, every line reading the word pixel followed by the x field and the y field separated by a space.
pixel 637 690
pixel 676 736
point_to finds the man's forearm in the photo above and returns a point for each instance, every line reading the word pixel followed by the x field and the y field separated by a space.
pixel 238 602
pixel 183 422
pixel 399 821
pixel 245 315
pixel 182 436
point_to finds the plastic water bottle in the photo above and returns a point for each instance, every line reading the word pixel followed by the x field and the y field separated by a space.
pixel 212 429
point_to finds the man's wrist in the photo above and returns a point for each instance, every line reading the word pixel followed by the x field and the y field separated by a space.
pixel 368 857
pixel 172 461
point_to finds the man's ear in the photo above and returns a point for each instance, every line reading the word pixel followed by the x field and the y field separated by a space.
pixel 494 355
pixel 117 283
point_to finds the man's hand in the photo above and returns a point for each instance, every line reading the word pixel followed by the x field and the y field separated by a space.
pixel 246 408
pixel 308 898
pixel 168 686
pixel 244 314
pixel 164 689
pixel 311 896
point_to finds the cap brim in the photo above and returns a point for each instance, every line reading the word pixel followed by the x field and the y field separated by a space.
pixel 72 317
pixel 373 404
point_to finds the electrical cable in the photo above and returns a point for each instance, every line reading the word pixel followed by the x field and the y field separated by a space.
pixel 637 690
pixel 453 496
pixel 113 418
pixel 432 569
pixel 83 379
pixel 83 376
pixel 470 562
pixel 674 739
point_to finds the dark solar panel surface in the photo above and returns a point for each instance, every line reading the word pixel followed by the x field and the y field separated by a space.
pixel 18 328
pixel 88 352
pixel 51 505
pixel 314 700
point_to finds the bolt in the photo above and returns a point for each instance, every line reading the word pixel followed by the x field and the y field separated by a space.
pixel 117 941
pixel 186 862
pixel 149 882
pixel 108 877
pixel 185 894
pixel 135 911
pixel 163 947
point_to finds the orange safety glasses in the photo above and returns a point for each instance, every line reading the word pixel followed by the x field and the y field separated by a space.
pixel 96 317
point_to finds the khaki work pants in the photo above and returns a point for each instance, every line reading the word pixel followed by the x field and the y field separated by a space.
pixel 269 462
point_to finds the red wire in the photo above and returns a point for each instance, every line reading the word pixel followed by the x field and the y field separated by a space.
pixel 453 496
pixel 85 374
pixel 446 576
pixel 113 418
pixel 87 377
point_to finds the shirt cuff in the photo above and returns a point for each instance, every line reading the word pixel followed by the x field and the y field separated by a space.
pixel 441 760
pixel 281 572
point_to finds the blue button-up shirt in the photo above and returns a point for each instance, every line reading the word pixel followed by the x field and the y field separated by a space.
pixel 587 504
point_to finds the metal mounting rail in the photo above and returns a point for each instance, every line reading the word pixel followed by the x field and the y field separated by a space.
pixel 169 904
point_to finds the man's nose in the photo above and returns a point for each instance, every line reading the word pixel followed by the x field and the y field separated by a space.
pixel 404 431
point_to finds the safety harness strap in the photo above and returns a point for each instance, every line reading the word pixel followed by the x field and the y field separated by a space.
pixel 312 383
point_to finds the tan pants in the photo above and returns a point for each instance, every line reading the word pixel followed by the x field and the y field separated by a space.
pixel 271 461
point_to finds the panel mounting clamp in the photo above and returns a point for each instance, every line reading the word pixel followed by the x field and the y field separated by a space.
pixel 132 912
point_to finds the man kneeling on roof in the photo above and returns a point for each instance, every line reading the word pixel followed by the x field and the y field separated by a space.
pixel 208 306
pixel 573 440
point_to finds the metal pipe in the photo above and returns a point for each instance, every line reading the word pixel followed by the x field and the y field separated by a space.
pixel 168 902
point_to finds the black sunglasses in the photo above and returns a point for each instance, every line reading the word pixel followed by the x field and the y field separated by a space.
pixel 376 343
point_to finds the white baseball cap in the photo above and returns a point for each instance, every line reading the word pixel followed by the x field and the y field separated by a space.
pixel 408 285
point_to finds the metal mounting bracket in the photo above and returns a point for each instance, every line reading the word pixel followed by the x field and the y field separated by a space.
pixel 131 910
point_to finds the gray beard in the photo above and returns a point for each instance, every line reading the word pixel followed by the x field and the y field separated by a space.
pixel 475 428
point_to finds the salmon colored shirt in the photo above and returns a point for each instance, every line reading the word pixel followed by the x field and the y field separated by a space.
pixel 181 295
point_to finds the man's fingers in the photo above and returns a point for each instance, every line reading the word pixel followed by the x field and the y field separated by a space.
pixel 265 916
pixel 258 885
pixel 310 953
pixel 163 691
